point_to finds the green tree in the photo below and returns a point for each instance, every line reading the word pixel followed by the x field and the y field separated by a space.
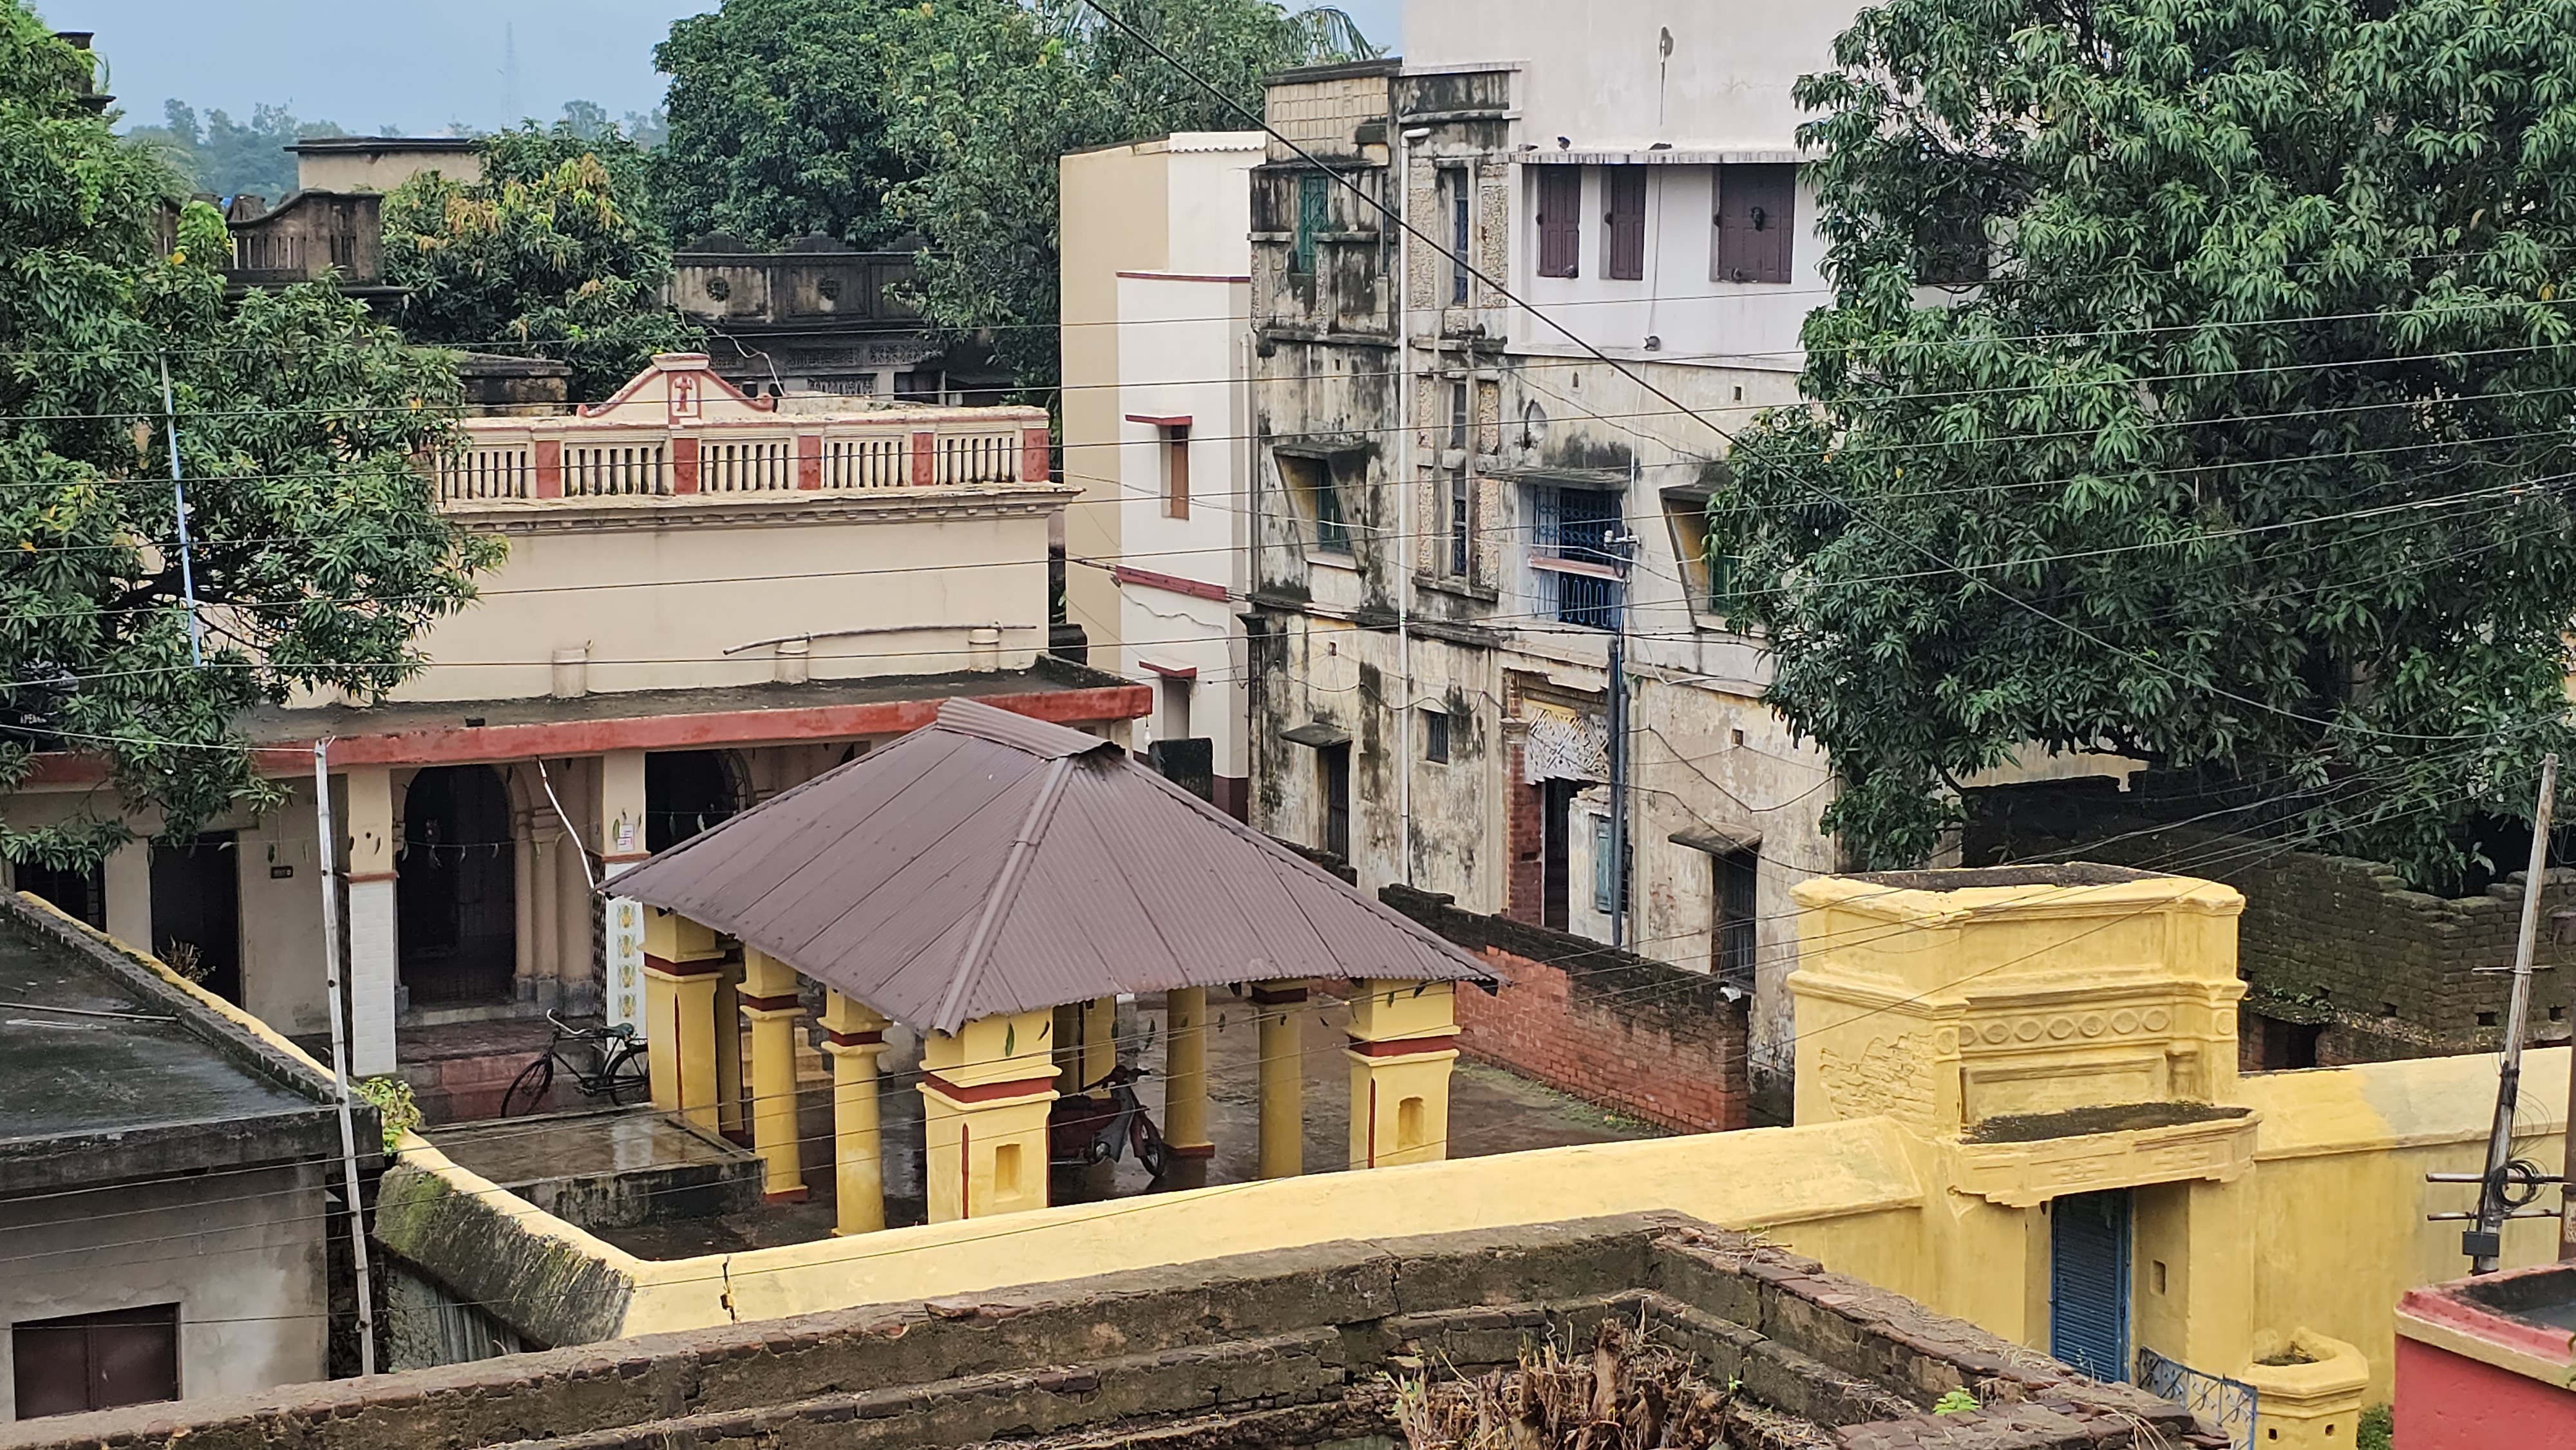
pixel 318 549
pixel 554 253
pixel 939 126
pixel 2249 452
pixel 229 157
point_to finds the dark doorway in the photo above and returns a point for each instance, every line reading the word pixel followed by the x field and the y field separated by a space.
pixel 196 911
pixel 1556 859
pixel 2088 1283
pixel 1335 763
pixel 686 791
pixel 81 894
pixel 95 1361
pixel 456 888
pixel 2282 1045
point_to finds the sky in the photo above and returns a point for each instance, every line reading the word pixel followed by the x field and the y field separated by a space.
pixel 404 66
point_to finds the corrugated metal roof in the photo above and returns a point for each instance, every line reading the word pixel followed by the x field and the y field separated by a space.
pixel 992 863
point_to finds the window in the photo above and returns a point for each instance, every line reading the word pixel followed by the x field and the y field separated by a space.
pixel 1560 221
pixel 1334 764
pixel 1624 202
pixel 1734 946
pixel 1556 809
pixel 1311 488
pixel 1176 470
pixel 1461 193
pixel 1314 212
pixel 1462 493
pixel 80 894
pixel 1756 221
pixel 1578 548
pixel 1175 724
pixel 95 1361
pixel 1435 736
pixel 1712 578
pixel 1604 881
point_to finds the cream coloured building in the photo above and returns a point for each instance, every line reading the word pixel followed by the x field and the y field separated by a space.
pixel 1157 361
pixel 707 599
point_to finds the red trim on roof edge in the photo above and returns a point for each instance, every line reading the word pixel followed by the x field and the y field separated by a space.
pixel 1172 583
pixel 1172 672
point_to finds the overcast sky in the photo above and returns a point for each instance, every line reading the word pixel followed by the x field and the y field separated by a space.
pixel 404 65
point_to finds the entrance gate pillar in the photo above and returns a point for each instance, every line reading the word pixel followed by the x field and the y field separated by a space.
pixel 1404 1036
pixel 682 969
pixel 985 1093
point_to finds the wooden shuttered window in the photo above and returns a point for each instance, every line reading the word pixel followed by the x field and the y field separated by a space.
pixel 1624 200
pixel 1560 221
pixel 1756 222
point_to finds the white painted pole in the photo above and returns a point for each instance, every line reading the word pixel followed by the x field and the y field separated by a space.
pixel 2485 1242
pixel 331 974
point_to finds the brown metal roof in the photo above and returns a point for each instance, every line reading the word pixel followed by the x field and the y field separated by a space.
pixel 992 863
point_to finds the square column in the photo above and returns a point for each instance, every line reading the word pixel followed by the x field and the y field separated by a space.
pixel 1280 1008
pixel 1404 1036
pixel 682 969
pixel 1185 1090
pixel 375 960
pixel 621 845
pixel 1099 1040
pixel 854 1036
pixel 985 1094
pixel 768 1001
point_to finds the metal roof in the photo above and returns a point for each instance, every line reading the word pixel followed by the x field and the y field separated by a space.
pixel 991 863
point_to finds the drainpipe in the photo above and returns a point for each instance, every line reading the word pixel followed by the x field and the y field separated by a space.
pixel 1400 149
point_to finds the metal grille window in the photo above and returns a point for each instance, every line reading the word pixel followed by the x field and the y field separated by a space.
pixel 1560 221
pixel 1462 495
pixel 1460 195
pixel 1314 210
pixel 1435 736
pixel 1576 552
pixel 1176 471
pixel 1736 872
pixel 1624 202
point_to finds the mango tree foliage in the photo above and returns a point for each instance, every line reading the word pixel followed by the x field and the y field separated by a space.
pixel 937 128
pixel 319 552
pixel 2248 453
pixel 555 253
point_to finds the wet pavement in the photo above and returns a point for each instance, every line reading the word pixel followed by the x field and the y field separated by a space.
pixel 1491 1111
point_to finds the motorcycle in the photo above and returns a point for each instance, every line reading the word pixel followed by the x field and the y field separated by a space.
pixel 1083 1130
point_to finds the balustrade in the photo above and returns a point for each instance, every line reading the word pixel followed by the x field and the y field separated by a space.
pixel 516 459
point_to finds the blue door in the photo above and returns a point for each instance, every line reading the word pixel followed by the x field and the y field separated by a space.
pixel 2088 1283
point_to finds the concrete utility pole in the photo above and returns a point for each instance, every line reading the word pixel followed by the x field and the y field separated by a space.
pixel 331 974
pixel 2484 1244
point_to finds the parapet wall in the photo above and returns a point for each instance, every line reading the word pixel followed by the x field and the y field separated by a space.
pixel 1289 1349
pixel 1656 1042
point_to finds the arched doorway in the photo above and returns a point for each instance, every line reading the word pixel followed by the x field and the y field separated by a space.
pixel 686 791
pixel 455 889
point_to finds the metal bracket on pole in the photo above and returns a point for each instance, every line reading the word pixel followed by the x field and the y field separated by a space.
pixel 179 502
pixel 331 974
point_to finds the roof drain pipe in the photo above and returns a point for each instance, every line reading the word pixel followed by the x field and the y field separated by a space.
pixel 1407 547
pixel 332 951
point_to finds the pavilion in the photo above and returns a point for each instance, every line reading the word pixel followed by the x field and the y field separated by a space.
pixel 995 883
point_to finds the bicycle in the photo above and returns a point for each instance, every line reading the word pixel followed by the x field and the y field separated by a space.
pixel 619 1074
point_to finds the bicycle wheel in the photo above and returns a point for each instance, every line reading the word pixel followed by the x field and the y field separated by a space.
pixel 628 1076
pixel 530 1087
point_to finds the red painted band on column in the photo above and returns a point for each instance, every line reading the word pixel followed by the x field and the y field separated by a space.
pixel 986 1092
pixel 768 1004
pixel 853 1039
pixel 702 967
pixel 1404 1046
pixel 1278 996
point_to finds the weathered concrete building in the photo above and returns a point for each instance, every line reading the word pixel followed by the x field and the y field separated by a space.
pixel 1481 586
pixel 166 1181
pixel 1157 362
pixel 815 316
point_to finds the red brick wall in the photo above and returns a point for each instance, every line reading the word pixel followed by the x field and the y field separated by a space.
pixel 1525 832
pixel 1655 1042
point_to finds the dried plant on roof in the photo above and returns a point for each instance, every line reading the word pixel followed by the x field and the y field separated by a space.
pixel 1628 1393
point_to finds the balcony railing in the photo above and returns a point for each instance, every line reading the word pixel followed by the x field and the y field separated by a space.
pixel 533 459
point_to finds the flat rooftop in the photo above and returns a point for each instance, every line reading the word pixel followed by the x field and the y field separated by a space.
pixel 108 1072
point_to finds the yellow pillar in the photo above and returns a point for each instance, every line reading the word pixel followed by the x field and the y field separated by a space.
pixel 854 1035
pixel 1185 1099
pixel 768 998
pixel 682 969
pixel 985 1093
pixel 729 1120
pixel 1281 1009
pixel 1404 1036
pixel 1099 1040
pixel 1067 1026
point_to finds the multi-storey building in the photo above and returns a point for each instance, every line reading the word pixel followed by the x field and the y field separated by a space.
pixel 1481 584
pixel 708 598
pixel 1157 287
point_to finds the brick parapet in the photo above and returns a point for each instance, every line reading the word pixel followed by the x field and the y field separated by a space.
pixel 1660 1043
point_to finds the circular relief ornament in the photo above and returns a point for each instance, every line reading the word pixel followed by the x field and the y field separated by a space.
pixel 2093 1026
pixel 1996 1032
pixel 2027 1030
pixel 2157 1019
pixel 2124 1021
pixel 2061 1028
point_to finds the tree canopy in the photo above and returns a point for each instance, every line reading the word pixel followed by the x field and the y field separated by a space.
pixel 318 550
pixel 555 253
pixel 2248 449
pixel 937 128
pixel 229 157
